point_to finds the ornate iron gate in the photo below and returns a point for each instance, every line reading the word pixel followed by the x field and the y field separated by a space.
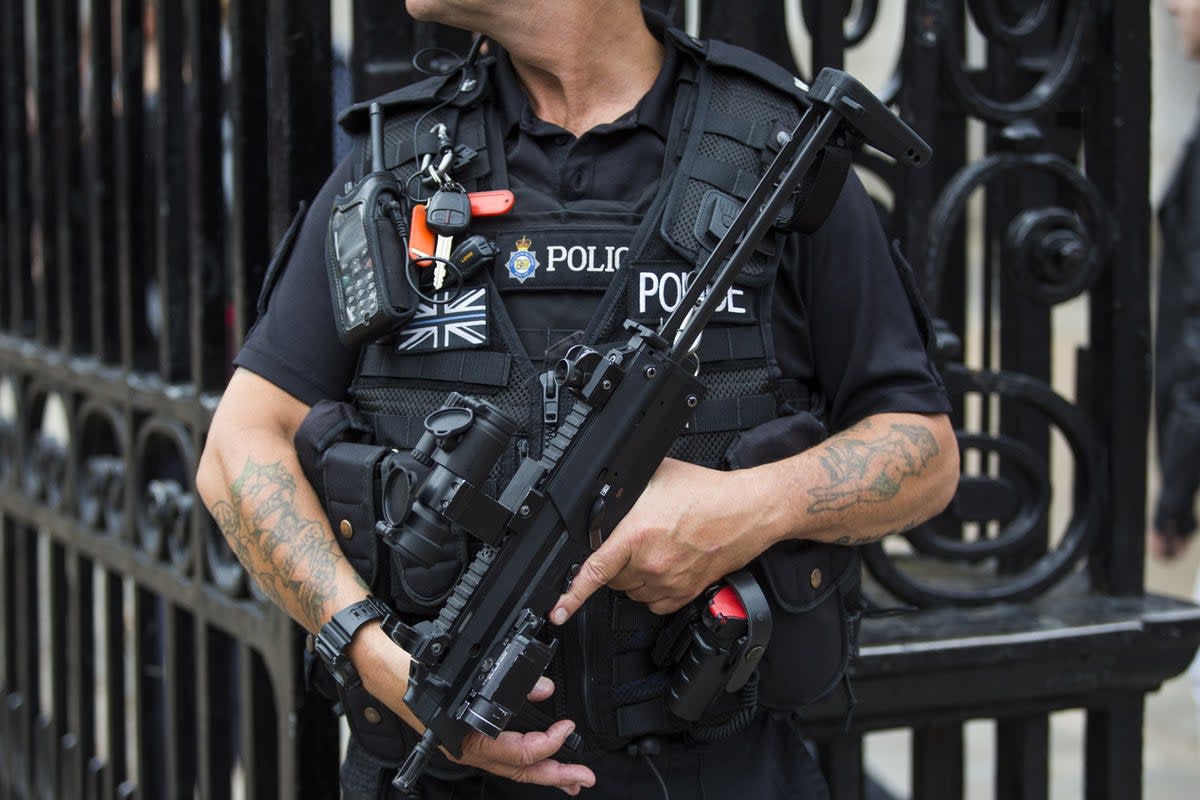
pixel 152 152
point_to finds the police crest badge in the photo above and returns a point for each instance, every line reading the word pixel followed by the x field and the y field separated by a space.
pixel 522 263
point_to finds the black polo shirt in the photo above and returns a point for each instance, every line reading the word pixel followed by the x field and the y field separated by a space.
pixel 616 164
pixel 840 316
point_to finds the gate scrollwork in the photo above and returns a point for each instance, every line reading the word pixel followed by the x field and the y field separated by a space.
pixel 1070 21
pixel 1015 497
pixel 1051 254
pixel 47 442
pixel 100 473
pixel 9 417
pixel 164 496
pixel 1044 237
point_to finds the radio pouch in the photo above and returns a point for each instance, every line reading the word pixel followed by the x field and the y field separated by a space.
pixel 366 260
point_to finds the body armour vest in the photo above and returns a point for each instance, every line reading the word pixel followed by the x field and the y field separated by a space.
pixel 575 276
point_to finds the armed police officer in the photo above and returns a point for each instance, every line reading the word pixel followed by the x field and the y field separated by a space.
pixel 624 146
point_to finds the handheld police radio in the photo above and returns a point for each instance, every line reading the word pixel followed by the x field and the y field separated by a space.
pixel 366 254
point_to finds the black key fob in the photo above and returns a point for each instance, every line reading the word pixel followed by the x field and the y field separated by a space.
pixel 448 212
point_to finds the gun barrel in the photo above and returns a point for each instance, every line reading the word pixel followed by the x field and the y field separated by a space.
pixel 413 766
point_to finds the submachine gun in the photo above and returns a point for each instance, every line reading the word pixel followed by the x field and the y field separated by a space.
pixel 476 662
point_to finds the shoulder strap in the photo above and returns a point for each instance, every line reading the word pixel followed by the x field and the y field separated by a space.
pixel 762 69
pixel 743 111
pixel 820 188
pixel 459 88
pixel 412 116
pixel 747 106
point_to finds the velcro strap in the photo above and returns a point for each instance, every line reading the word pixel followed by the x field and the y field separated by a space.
pixel 731 344
pixel 426 144
pixel 632 666
pixel 630 615
pixel 429 144
pixel 397 430
pixel 482 367
pixel 797 395
pixel 726 177
pixel 640 718
pixel 820 189
pixel 738 128
pixel 733 413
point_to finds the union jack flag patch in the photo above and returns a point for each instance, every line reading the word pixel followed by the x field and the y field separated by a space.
pixel 449 324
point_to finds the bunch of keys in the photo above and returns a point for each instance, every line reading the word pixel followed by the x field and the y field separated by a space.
pixel 447 214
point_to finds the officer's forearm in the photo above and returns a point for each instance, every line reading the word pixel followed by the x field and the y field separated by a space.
pixel 253 485
pixel 251 481
pixel 885 475
pixel 271 518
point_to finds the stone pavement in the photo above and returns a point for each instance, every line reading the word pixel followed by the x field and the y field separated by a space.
pixel 1172 752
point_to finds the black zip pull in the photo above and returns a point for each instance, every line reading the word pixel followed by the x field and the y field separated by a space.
pixel 549 398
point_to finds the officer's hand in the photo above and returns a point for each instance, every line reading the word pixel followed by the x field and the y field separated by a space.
pixel 691 527
pixel 1167 544
pixel 525 757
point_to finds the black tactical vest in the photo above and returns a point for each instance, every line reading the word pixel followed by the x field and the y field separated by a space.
pixel 731 110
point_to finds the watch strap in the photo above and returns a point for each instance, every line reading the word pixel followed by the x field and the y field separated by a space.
pixel 335 636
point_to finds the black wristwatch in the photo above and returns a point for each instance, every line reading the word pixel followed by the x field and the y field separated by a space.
pixel 335 636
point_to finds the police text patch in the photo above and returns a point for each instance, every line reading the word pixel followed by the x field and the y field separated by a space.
pixel 655 291
pixel 564 258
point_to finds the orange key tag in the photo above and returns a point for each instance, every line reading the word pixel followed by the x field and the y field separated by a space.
pixel 421 241
pixel 491 203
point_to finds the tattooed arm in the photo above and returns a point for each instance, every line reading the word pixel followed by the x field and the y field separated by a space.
pixel 252 483
pixel 692 525
pixel 876 471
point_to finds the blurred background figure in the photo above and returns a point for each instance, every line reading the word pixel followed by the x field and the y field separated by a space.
pixel 1177 341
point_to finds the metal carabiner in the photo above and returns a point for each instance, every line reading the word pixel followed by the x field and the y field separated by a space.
pixel 439 174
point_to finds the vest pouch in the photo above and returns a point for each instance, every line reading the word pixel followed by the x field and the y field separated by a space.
pixel 774 441
pixel 812 637
pixel 350 473
pixel 342 469
pixel 806 584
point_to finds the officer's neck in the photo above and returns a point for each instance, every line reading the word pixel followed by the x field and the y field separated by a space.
pixel 586 73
